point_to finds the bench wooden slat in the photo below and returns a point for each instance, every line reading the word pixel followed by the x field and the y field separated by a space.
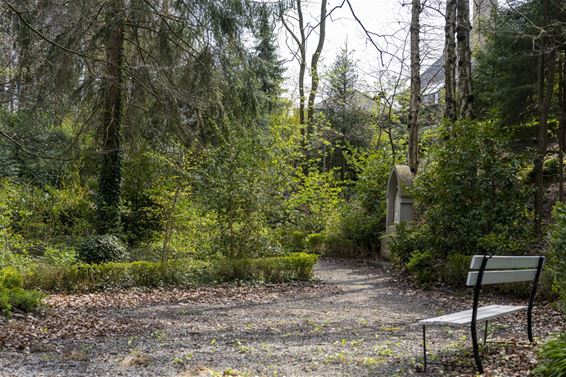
pixel 497 277
pixel 464 318
pixel 504 262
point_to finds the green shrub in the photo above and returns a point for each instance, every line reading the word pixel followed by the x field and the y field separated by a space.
pixel 338 246
pixel 59 256
pixel 25 300
pixel 407 239
pixel 296 266
pixel 471 193
pixel 295 240
pixel 550 171
pixel 455 270
pixel 5 306
pixel 353 231
pixel 11 278
pixel 423 267
pixel 557 255
pixel 101 248
pixel 315 242
pixel 552 357
pixel 20 299
pixel 180 272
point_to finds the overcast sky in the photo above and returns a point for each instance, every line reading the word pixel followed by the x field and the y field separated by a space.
pixel 385 17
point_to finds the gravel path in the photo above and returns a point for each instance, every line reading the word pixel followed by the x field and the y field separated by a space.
pixel 360 322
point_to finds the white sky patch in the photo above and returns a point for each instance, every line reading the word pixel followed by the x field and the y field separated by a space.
pixel 387 20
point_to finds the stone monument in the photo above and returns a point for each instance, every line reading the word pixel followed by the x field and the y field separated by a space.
pixel 399 204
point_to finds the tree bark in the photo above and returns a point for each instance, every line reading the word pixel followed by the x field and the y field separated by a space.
pixel 547 67
pixel 314 67
pixel 110 180
pixel 450 61
pixel 562 125
pixel 463 31
pixel 415 95
pixel 302 65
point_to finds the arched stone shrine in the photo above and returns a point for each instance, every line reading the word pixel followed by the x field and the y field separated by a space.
pixel 399 203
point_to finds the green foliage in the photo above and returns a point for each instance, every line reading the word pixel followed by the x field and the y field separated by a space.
pixel 296 266
pixel 25 300
pixel 408 239
pixel 144 196
pixel 11 278
pixel 470 200
pixel 455 270
pixel 293 240
pixel 84 277
pixel 235 182
pixel 99 249
pixel 13 296
pixel 59 256
pixel 423 267
pixel 353 231
pixel 552 355
pixel 316 198
pixel 472 189
pixel 5 305
pixel 557 255
pixel 347 109
pixel 550 171
pixel 505 70
pixel 180 272
pixel 315 242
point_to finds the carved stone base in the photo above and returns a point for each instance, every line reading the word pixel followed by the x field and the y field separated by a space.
pixel 384 251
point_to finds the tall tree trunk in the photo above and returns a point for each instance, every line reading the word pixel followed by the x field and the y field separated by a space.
pixel 314 67
pixel 302 66
pixel 108 211
pixel 450 61
pixel 562 125
pixel 415 95
pixel 547 66
pixel 463 31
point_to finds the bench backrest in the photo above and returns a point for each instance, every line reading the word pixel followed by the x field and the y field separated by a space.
pixel 487 269
pixel 504 269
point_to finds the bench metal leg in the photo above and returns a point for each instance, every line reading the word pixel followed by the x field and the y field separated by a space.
pixel 485 333
pixel 476 348
pixel 424 348
pixel 530 324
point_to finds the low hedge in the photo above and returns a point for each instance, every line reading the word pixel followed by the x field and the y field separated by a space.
pixel 182 272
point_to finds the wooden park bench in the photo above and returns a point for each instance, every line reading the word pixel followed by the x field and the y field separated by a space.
pixel 487 269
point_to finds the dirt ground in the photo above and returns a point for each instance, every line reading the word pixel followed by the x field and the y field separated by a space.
pixel 354 320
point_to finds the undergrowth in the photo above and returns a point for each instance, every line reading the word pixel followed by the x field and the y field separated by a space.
pixel 84 277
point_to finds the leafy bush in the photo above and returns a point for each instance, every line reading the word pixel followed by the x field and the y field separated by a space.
pixel 470 200
pixel 11 278
pixel 13 296
pixel 293 239
pixel 296 266
pixel 557 255
pixel 5 305
pixel 472 189
pixel 553 358
pixel 84 277
pixel 423 267
pixel 408 239
pixel 181 272
pixel 353 231
pixel 315 242
pixel 550 171
pixel 102 248
pixel 455 270
pixel 25 300
pixel 59 256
